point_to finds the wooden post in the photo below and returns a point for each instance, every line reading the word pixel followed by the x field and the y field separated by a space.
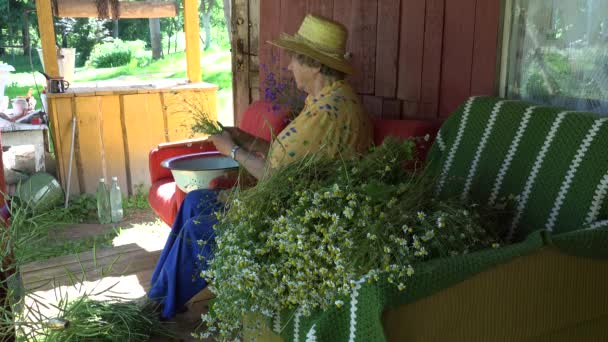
pixel 44 13
pixel 128 9
pixel 193 45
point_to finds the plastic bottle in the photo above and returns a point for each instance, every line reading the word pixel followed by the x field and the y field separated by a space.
pixel 116 201
pixel 103 203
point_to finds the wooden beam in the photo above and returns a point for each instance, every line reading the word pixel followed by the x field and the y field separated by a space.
pixel 44 12
pixel 128 9
pixel 193 44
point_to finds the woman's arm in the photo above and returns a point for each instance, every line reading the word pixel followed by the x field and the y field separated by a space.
pixel 250 142
pixel 254 164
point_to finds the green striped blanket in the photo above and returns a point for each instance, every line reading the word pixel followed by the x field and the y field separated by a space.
pixel 554 161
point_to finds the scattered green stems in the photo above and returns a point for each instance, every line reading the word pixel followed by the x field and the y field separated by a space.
pixel 197 107
pixel 86 319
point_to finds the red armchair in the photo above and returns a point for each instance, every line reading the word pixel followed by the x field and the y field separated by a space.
pixel 164 196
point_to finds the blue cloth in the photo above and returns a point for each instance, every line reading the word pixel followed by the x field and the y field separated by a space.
pixel 176 278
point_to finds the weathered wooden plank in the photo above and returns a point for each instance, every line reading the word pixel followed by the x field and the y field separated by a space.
pixel 391 109
pixel 292 14
pixel 128 10
pixel 360 18
pixel 180 112
pixel 88 112
pixel 457 56
pixel 431 65
pixel 387 52
pixel 411 49
pixel 410 109
pixel 141 138
pixel 373 105
pixel 62 114
pixel 254 27
pixel 136 262
pixel 113 141
pixel 193 43
pixel 254 47
pixel 240 69
pixel 323 8
pixel 485 61
pixel 270 28
pixel 100 254
pixel 46 27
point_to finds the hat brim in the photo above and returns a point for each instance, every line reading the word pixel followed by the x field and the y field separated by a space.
pixel 299 47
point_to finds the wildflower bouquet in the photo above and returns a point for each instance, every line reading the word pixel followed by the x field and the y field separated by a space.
pixel 304 237
pixel 282 92
pixel 196 107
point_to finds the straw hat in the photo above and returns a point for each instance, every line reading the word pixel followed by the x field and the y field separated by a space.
pixel 321 39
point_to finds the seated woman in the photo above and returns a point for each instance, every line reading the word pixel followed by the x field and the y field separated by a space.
pixel 333 122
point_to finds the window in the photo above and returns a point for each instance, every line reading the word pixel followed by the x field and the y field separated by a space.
pixel 556 53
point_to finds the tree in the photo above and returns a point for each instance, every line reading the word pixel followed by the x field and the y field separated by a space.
pixel 206 9
pixel 155 38
pixel 13 21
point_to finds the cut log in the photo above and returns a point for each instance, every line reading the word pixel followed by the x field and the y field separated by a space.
pixel 128 9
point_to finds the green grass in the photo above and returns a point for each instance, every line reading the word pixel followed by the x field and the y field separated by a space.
pixel 215 65
pixel 216 68
pixel 43 240
pixel 22 63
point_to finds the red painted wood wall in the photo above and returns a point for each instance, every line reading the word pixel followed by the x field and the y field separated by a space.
pixel 415 58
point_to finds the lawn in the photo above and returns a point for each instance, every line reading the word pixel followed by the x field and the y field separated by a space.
pixel 215 64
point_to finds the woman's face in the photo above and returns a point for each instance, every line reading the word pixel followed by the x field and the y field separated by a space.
pixel 303 74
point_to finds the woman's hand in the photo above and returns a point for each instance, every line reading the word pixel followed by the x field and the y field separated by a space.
pixel 223 142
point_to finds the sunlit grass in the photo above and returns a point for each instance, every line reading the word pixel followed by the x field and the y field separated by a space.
pixel 215 65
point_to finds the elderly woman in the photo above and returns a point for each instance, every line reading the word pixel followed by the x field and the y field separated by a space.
pixel 332 123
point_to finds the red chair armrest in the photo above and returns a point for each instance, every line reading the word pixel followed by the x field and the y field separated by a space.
pixel 169 150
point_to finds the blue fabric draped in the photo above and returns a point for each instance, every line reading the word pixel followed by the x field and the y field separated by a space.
pixel 176 278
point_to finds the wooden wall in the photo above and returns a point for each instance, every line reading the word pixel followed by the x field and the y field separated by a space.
pixel 415 58
pixel 116 129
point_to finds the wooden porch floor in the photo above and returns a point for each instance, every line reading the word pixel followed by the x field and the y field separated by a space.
pixel 126 268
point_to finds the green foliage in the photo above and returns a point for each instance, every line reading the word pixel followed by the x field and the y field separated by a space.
pixel 91 320
pixel 111 54
pixel 82 208
pixel 303 237
pixel 84 34
pixel 134 29
pixel 571 73
pixel 138 201
pixel 12 16
pixel 28 239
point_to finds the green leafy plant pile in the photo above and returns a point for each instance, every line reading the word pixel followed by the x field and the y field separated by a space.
pixel 302 238
pixel 204 123
pixel 86 319
pixel 116 53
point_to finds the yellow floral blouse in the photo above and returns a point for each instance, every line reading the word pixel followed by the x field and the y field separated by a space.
pixel 333 123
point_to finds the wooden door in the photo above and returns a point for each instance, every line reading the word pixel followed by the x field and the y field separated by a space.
pixel 245 66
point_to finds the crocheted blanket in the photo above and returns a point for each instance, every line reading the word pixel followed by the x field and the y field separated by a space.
pixel 554 161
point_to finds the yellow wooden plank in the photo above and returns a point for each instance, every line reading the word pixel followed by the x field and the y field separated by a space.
pixel 44 12
pixel 144 126
pixel 62 132
pixel 113 141
pixel 88 111
pixel 193 45
pixel 179 111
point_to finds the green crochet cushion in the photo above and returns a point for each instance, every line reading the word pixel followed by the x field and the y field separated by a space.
pixel 553 160
pixel 590 241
